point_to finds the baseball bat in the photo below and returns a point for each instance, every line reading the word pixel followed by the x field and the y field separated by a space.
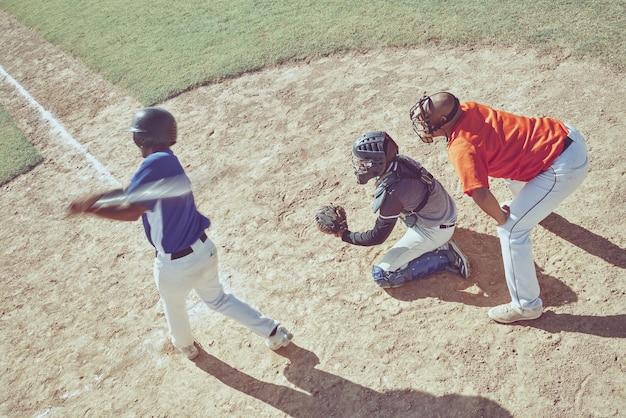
pixel 161 189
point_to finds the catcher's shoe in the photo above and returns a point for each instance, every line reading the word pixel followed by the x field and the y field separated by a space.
pixel 191 352
pixel 459 263
pixel 505 314
pixel 281 338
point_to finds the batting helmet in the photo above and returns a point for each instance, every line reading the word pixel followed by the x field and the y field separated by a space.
pixel 153 126
pixel 371 154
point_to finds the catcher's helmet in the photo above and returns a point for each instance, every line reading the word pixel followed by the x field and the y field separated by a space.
pixel 153 126
pixel 371 154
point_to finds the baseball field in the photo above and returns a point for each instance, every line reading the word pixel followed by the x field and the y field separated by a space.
pixel 82 334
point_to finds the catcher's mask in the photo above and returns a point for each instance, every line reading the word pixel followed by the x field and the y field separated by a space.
pixel 371 154
pixel 153 126
pixel 421 120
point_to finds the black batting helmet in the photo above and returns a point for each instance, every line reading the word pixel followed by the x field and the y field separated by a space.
pixel 153 126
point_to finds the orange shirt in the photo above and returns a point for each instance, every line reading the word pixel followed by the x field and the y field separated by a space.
pixel 492 143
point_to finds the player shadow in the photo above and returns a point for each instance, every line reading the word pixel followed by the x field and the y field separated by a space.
pixel 612 326
pixel 585 240
pixel 323 394
pixel 486 285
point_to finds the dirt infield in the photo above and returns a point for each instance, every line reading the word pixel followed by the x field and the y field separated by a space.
pixel 82 335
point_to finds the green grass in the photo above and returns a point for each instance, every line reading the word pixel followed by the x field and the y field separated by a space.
pixel 157 49
pixel 17 155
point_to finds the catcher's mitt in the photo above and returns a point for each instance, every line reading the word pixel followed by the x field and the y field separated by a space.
pixel 331 219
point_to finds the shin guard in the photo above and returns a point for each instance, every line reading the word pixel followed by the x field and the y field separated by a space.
pixel 422 266
pixel 426 264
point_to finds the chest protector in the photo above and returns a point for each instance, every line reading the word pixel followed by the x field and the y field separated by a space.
pixel 405 168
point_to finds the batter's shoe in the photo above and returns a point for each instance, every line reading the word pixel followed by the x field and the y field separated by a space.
pixel 459 261
pixel 281 338
pixel 505 314
pixel 190 352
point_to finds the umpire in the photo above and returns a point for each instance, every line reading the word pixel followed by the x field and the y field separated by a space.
pixel 542 160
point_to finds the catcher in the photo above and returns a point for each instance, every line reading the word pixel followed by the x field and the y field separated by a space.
pixel 405 190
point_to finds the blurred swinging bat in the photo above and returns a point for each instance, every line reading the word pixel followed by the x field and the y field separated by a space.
pixel 161 189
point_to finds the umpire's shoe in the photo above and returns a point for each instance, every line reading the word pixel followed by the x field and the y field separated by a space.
pixel 507 313
pixel 458 261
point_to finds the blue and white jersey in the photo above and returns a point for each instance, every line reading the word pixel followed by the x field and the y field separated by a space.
pixel 171 224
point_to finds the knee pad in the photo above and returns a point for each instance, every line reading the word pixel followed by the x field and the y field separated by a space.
pixel 387 279
pixel 416 269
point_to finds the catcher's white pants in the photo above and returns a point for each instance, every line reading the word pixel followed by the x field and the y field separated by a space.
pixel 198 271
pixel 533 202
pixel 416 242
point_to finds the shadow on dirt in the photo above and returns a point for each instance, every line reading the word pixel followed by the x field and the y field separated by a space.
pixel 489 286
pixel 322 394
pixel 612 326
pixel 486 285
pixel 585 240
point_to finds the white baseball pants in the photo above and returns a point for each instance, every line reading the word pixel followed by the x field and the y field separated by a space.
pixel 199 271
pixel 532 203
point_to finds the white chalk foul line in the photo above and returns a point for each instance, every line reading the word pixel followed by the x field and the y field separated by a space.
pixel 57 128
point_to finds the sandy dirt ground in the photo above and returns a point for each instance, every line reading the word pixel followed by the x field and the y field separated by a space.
pixel 81 331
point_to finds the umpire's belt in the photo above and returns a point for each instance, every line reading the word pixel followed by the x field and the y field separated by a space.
pixel 568 141
pixel 444 226
pixel 185 252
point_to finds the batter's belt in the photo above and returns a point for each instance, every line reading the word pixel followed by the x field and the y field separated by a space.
pixel 186 251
